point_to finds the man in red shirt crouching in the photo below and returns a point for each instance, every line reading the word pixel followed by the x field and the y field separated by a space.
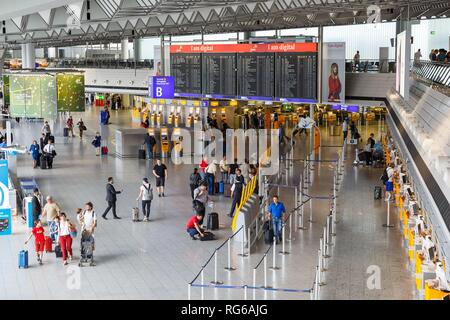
pixel 193 227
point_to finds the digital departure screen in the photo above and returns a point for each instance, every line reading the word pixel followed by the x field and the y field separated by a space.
pixel 296 75
pixel 256 75
pixel 219 74
pixel 186 70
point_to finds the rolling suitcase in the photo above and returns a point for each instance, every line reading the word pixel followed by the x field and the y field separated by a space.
pixel 43 162
pixel 213 221
pixel 377 193
pixel 105 151
pixel 207 236
pixel 58 252
pixel 268 233
pixel 23 259
pixel 48 244
pixel 216 187
pixel 142 153
pixel 221 187
pixel 135 213
pixel 66 132
pixel 227 190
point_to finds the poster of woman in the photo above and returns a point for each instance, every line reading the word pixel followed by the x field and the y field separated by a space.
pixel 334 84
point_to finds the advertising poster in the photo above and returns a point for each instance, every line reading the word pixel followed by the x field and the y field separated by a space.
pixel 333 72
pixel 32 96
pixel 6 99
pixel 5 209
pixel 70 88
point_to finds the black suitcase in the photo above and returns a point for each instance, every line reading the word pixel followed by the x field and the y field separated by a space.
pixel 213 221
pixel 43 162
pixel 207 236
pixel 142 154
pixel 216 187
pixel 268 233
pixel 66 132
pixel 58 252
pixel 377 193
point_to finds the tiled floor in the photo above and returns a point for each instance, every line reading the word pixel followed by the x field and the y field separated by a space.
pixel 156 260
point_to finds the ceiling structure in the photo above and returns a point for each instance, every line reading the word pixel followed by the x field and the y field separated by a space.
pixel 68 22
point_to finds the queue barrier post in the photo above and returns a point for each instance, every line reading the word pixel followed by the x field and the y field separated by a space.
pixel 245 292
pixel 189 291
pixel 283 248
pixel 216 282
pixel 325 240
pixel 329 240
pixel 203 283
pixel 290 228
pixel 243 254
pixel 274 255
pixel 265 271
pixel 229 267
pixel 387 224
pixel 254 283
pixel 249 242
pixel 311 211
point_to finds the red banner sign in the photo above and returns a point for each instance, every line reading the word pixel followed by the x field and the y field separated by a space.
pixel 245 48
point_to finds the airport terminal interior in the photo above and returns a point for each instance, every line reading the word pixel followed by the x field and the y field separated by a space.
pixel 224 150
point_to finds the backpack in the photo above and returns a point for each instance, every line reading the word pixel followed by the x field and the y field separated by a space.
pixel 384 177
pixel 148 193
pixel 193 179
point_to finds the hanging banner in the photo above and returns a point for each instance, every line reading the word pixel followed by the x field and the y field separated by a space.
pixel 333 72
pixel 162 87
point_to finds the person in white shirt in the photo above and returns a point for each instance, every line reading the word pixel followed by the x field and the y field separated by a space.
pixel 146 193
pixel 390 182
pixel 223 165
pixel 50 153
pixel 427 244
pixel 417 57
pixel 345 128
pixel 88 218
pixel 211 171
pixel 65 240
pixel 245 168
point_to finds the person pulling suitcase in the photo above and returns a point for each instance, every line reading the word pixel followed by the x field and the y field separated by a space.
pixel 146 194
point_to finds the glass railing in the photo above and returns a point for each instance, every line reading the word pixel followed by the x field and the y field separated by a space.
pixel 370 65
pixel 98 63
pixel 435 73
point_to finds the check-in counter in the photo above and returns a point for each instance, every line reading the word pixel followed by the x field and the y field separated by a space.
pixel 433 294
pixel 128 142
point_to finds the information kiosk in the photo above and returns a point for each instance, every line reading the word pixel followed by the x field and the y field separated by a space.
pixel 164 142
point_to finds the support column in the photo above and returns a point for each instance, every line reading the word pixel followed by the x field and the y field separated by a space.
pixel 137 49
pixel 125 52
pixel 30 55
pixel 24 55
pixel 319 65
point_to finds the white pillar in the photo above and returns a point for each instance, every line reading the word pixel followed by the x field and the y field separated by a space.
pixel 28 56
pixel 137 49
pixel 125 52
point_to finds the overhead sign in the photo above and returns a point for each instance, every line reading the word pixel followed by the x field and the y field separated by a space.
pixel 161 87
pixel 346 108
pixel 245 48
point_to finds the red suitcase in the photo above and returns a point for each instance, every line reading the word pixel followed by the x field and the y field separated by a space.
pixel 48 244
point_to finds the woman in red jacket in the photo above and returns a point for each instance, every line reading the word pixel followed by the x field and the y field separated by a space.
pixel 334 84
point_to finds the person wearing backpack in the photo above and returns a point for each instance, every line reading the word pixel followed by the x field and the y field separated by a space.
pixel 146 193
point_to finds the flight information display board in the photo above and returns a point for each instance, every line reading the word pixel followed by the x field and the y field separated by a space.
pixel 296 76
pixel 219 75
pixel 186 70
pixel 256 75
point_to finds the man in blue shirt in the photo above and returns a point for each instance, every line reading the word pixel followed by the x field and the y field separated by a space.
pixel 276 210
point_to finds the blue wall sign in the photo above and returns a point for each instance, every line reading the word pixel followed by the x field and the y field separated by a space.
pixel 161 87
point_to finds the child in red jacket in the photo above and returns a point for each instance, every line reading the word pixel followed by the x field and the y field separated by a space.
pixel 39 241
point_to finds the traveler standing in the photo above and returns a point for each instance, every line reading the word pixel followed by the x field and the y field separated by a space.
pixel 390 182
pixel 111 198
pixel 43 141
pixel 223 164
pixel 87 218
pixel 194 181
pixel 345 129
pixel 276 210
pixel 49 153
pixel 146 193
pixel 236 192
pixel 97 142
pixel 232 171
pixel 46 130
pixel 417 57
pixel 81 127
pixel 34 150
pixel 150 142
pixel 65 240
pixel 160 172
pixel 50 210
pixel 356 60
pixel 210 176
pixel 36 204
pixel 203 165
pixel 69 124
pixel 353 130
pixel 245 168
pixel 368 152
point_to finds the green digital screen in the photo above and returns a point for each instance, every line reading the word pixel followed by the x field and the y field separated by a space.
pixel 6 90
pixel 32 96
pixel 70 92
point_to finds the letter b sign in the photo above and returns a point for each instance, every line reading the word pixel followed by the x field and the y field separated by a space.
pixel 158 92
pixel 162 87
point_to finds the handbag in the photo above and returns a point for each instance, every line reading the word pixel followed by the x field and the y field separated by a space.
pixel 83 127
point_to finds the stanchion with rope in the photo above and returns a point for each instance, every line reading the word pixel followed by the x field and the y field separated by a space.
pixel 229 267
pixel 217 282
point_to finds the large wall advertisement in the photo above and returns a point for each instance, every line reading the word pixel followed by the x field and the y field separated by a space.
pixel 333 72
pixel 70 92
pixel 32 96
